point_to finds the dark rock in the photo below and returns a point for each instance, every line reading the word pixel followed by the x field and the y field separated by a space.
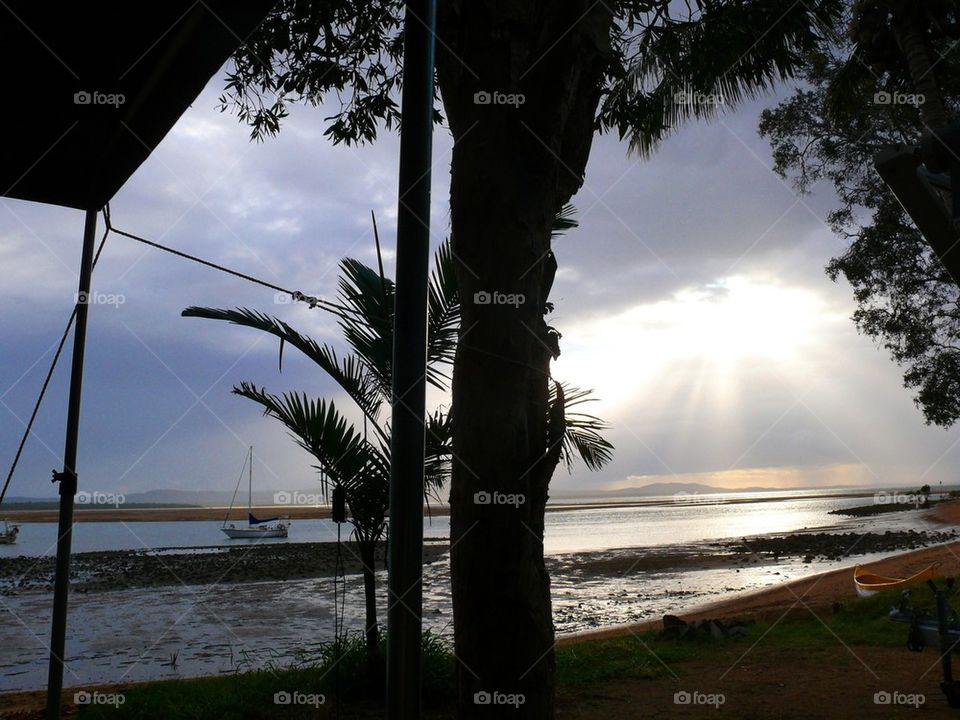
pixel 674 627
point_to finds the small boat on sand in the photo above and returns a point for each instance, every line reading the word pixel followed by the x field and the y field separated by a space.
pixel 8 536
pixel 869 583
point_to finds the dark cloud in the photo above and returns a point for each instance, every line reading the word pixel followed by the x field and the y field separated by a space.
pixel 705 207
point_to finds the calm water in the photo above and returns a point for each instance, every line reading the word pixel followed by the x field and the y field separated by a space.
pixel 131 635
pixel 660 521
pixel 41 538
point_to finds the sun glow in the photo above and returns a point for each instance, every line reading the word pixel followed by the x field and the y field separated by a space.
pixel 700 338
pixel 733 320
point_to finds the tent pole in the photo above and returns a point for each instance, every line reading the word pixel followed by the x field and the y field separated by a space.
pixel 68 478
pixel 404 612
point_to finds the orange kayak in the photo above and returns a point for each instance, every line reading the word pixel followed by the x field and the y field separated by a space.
pixel 869 583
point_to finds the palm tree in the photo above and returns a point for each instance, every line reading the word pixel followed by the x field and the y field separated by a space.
pixel 358 460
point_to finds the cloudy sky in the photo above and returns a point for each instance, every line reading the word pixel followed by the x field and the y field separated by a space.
pixel 692 299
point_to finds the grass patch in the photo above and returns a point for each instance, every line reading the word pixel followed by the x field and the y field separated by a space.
pixel 863 621
pixel 581 668
pixel 338 671
pixel 630 657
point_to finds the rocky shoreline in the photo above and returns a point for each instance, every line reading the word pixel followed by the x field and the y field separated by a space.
pixel 123 569
pixel 884 508
pixel 832 546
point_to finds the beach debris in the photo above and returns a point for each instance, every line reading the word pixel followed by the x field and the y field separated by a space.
pixel 674 627
pixel 714 629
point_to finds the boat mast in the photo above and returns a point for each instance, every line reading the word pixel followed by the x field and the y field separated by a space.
pixel 250 485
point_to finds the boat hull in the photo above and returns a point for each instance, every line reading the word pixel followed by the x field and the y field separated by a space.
pixel 9 536
pixel 868 583
pixel 256 529
pixel 255 533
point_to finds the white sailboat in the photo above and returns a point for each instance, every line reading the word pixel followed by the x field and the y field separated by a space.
pixel 256 529
pixel 8 536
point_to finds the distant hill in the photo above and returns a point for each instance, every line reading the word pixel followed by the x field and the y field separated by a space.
pixel 672 488
pixel 15 500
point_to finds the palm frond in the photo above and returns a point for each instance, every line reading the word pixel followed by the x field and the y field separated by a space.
pixel 443 320
pixel 582 432
pixel 439 451
pixel 346 459
pixel 852 82
pixel 564 220
pixel 368 326
pixel 352 375
pixel 320 429
pixel 710 60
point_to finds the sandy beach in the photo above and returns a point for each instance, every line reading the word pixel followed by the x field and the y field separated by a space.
pixel 812 594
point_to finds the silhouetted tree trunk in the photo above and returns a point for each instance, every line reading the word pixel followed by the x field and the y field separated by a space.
pixel 513 167
pixel 916 53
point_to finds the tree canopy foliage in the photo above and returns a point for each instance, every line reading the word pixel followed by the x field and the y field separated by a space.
pixel 854 101
pixel 346 54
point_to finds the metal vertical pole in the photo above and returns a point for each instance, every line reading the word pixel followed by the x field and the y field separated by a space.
pixel 404 613
pixel 68 478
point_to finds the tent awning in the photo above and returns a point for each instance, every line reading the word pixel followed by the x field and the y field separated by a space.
pixel 92 88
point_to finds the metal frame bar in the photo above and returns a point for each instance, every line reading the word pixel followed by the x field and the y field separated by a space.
pixel 404 613
pixel 68 478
